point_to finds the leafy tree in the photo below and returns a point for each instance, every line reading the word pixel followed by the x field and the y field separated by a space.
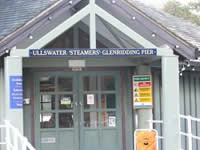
pixel 185 11
pixel 194 6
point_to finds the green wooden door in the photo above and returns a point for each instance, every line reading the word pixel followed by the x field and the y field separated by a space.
pixel 78 111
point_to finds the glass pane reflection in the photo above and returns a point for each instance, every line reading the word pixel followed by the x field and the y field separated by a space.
pixel 65 101
pixel 108 119
pixel 47 102
pixel 90 83
pixel 47 120
pixel 108 101
pixel 47 84
pixel 91 119
pixel 107 83
pixel 66 120
pixel 65 84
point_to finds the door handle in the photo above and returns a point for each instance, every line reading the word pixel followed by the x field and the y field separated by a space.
pixel 82 123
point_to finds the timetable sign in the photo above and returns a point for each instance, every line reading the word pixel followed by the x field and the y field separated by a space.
pixel 142 91
pixel 16 92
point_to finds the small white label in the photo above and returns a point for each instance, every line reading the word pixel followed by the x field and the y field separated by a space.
pixel 48 140
pixel 27 101
pixel 112 121
pixel 90 99
pixel 76 63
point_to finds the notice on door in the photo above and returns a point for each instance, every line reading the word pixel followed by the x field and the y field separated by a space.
pixel 142 91
pixel 16 92
pixel 66 101
pixel 90 99
pixel 112 121
pixel 146 140
pixel 48 140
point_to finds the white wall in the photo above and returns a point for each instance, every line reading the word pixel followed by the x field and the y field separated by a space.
pixel 189 104
pixel 2 87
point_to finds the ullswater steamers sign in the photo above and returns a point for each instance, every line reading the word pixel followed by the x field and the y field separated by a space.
pixel 92 52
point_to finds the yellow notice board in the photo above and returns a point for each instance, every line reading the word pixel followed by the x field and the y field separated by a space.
pixel 142 91
pixel 146 140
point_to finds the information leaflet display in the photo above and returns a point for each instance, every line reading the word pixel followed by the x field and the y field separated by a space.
pixel 16 92
pixel 142 91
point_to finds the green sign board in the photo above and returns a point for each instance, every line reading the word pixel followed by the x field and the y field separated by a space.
pixel 142 91
pixel 142 78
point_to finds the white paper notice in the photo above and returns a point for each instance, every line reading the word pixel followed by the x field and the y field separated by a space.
pixel 90 99
pixel 66 101
pixel 48 140
pixel 112 121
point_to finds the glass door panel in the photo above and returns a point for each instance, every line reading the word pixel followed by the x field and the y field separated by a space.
pixel 58 112
pixel 89 111
pixel 66 120
pixel 108 119
pixel 90 83
pixel 108 101
pixel 107 83
pixel 65 84
pixel 65 102
pixel 78 111
pixel 47 120
pixel 99 100
pixel 89 101
pixel 47 102
pixel 110 112
pixel 47 84
pixel 91 119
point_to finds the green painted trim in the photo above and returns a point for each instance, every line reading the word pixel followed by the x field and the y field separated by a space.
pixel 78 85
pixel 60 28
pixel 122 27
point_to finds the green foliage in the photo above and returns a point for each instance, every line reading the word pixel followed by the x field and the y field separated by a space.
pixel 194 6
pixel 185 11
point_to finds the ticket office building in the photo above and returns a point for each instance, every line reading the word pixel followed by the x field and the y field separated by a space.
pixel 78 108
pixel 85 101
